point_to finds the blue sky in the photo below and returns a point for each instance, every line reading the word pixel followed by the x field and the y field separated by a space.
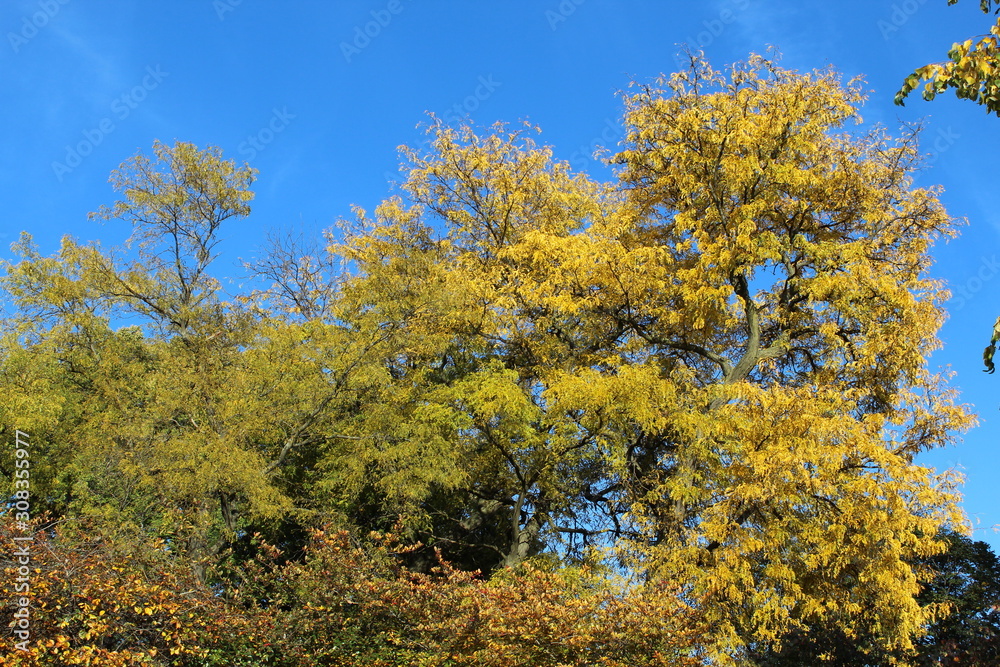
pixel 318 95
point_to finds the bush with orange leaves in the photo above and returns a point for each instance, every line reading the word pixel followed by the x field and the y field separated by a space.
pixel 98 601
pixel 536 616
pixel 95 601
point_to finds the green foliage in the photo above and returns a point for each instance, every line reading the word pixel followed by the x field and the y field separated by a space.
pixel 972 70
pixel 991 348
pixel 965 579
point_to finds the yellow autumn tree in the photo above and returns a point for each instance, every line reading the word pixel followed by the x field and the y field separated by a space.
pixel 710 374
pixel 159 407
pixel 150 434
pixel 483 342
pixel 199 417
pixel 794 315
pixel 717 364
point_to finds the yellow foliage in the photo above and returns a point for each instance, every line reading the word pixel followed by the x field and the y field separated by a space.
pixel 731 342
pixel 712 371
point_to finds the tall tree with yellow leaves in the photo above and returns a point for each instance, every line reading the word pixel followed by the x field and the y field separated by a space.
pixel 718 364
pixel 788 309
pixel 152 434
pixel 482 340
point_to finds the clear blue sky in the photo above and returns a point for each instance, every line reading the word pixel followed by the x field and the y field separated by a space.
pixel 318 106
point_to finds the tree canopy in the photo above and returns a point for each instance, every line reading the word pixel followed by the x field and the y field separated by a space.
pixel 696 390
